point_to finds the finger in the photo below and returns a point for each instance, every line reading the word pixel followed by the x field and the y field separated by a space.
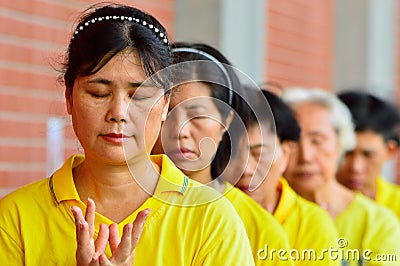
pixel 84 250
pixel 103 261
pixel 90 215
pixel 95 261
pixel 124 252
pixel 130 237
pixel 138 226
pixel 78 216
pixel 101 240
pixel 114 238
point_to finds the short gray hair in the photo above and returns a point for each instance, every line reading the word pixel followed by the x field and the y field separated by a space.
pixel 340 115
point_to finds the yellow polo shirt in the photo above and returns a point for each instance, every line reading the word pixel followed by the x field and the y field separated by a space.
pixel 264 232
pixel 388 194
pixel 308 227
pixel 366 225
pixel 37 226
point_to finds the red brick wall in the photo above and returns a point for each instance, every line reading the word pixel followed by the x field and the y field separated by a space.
pixel 300 42
pixel 33 36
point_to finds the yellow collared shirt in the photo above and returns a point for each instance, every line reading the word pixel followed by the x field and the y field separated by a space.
pixel 307 225
pixel 366 225
pixel 37 226
pixel 264 232
pixel 388 194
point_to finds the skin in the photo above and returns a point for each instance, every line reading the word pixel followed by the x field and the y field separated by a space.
pixel 361 167
pixel 90 252
pixel 259 149
pixel 312 165
pixel 108 110
pixel 192 131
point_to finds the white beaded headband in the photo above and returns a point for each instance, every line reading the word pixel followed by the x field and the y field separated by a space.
pixel 151 27
pixel 214 60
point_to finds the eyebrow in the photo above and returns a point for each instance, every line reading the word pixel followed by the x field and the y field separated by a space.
pixel 195 106
pixel 109 82
pixel 255 146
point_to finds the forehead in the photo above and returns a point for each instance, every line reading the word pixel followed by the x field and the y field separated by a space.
pixel 193 91
pixel 255 136
pixel 124 65
pixel 369 139
pixel 313 117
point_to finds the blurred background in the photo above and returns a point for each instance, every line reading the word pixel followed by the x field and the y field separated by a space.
pixel 331 44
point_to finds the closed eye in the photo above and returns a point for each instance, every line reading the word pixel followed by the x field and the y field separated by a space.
pixel 97 95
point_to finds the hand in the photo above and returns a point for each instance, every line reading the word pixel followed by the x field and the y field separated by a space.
pixel 90 252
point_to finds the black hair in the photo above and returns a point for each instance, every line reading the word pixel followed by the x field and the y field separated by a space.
pixel 230 139
pixel 286 126
pixel 372 113
pixel 94 44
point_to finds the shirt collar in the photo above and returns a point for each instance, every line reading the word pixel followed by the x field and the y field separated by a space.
pixel 61 183
pixel 287 201
pixel 62 186
pixel 171 178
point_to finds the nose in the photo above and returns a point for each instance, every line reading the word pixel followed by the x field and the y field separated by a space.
pixel 117 109
pixel 176 126
pixel 184 129
pixel 250 167
pixel 357 164
pixel 178 123
pixel 304 151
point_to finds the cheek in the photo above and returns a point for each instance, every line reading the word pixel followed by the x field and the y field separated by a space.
pixel 153 123
pixel 214 130
pixel 82 120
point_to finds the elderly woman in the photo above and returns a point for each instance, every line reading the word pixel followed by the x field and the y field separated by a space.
pixel 326 134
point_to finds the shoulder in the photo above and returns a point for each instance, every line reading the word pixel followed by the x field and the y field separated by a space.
pixel 381 228
pixel 315 223
pixel 251 212
pixel 387 189
pixel 224 238
pixel 23 208
pixel 370 209
pixel 26 195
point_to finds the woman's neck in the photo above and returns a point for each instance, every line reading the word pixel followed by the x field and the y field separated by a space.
pixel 115 190
pixel 332 197
pixel 270 199
pixel 204 177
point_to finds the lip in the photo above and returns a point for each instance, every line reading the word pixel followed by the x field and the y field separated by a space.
pixel 305 174
pixel 354 184
pixel 115 138
pixel 182 154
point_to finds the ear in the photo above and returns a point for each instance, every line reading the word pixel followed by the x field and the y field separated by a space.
pixel 164 114
pixel 286 147
pixel 68 100
pixel 391 147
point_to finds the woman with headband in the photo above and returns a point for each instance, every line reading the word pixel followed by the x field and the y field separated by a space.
pixel 200 136
pixel 144 209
